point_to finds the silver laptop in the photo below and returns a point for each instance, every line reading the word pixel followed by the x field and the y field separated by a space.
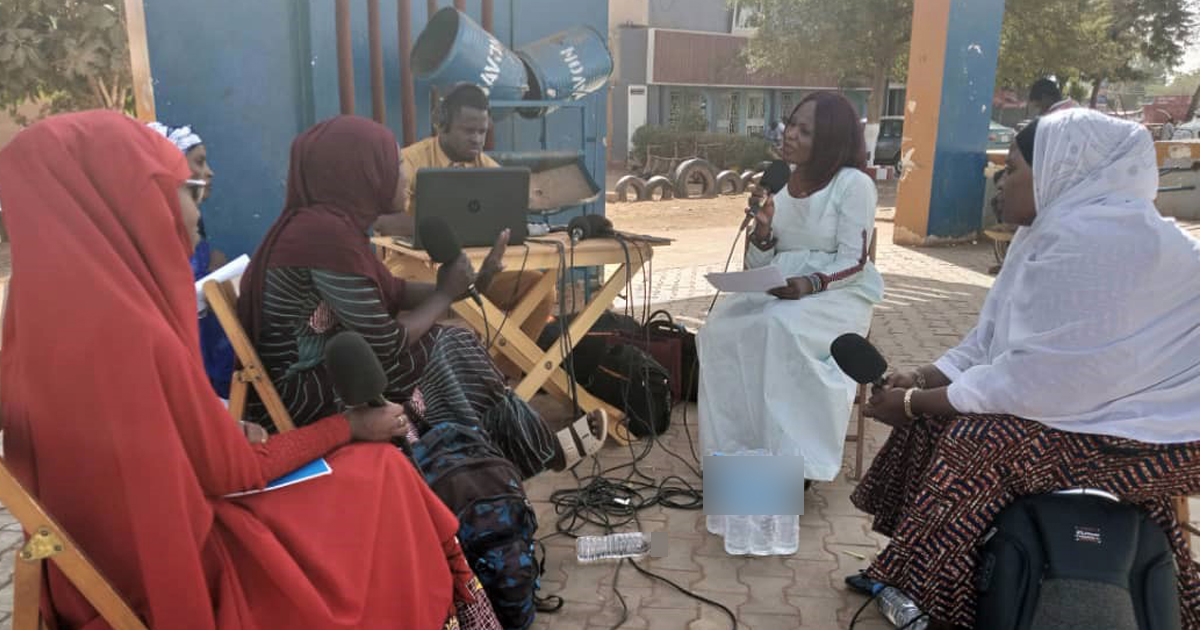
pixel 478 203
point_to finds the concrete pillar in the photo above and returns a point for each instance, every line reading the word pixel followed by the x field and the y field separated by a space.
pixel 951 77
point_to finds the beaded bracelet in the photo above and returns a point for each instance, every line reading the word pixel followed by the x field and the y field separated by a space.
pixel 764 244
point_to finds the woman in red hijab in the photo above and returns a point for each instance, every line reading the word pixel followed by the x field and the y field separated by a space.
pixel 109 420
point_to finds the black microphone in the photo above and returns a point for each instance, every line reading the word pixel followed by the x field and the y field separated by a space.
pixel 859 359
pixel 774 179
pixel 358 377
pixel 441 243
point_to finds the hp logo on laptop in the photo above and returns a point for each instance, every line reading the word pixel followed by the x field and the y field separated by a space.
pixel 473 206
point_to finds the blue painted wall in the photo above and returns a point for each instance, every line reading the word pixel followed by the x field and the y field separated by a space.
pixel 250 76
pixel 972 45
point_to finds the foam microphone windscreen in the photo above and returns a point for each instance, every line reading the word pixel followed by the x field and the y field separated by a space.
pixel 776 176
pixel 358 378
pixel 858 358
pixel 439 240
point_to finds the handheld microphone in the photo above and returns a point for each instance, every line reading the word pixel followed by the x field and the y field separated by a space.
pixel 859 359
pixel 443 247
pixel 774 179
pixel 358 377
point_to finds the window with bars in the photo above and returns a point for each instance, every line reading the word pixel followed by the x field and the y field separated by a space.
pixel 787 104
pixel 756 108
pixel 734 108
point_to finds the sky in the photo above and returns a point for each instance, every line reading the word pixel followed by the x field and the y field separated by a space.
pixel 1191 60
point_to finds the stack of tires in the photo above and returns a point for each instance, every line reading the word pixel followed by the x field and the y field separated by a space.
pixel 696 178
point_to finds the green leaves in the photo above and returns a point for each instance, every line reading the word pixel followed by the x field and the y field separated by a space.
pixel 1076 40
pixel 846 43
pixel 69 54
pixel 1092 40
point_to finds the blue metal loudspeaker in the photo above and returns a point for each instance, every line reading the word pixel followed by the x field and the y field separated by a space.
pixel 566 66
pixel 454 49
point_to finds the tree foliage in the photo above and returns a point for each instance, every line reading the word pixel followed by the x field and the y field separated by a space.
pixel 1093 41
pixel 857 42
pixel 68 54
pixel 1079 41
pixel 1182 84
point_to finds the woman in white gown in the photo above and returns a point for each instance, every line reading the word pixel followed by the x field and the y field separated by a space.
pixel 767 380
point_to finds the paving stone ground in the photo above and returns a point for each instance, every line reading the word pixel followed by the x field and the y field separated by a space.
pixel 932 299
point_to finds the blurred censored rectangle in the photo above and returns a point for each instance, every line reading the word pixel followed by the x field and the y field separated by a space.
pixel 748 485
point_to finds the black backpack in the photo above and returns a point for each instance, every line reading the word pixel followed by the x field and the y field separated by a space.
pixel 497 523
pixel 1075 562
pixel 629 379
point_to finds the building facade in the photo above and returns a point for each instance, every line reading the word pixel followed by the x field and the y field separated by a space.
pixel 678 60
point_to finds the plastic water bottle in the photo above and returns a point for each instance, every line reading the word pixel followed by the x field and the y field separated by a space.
pixel 612 547
pixel 900 610
pixel 762 535
pixel 787 535
pixel 737 535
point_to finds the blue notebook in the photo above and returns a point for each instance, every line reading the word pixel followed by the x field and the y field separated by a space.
pixel 311 470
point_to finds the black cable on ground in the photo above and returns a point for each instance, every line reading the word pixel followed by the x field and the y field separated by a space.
pixel 611 502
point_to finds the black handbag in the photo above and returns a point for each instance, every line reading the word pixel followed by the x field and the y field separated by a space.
pixel 662 329
pixel 1075 562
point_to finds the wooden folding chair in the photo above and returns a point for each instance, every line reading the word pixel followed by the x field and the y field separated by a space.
pixel 860 399
pixel 222 297
pixel 48 541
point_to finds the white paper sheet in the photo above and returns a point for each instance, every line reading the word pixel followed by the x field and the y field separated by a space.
pixel 230 271
pixel 758 280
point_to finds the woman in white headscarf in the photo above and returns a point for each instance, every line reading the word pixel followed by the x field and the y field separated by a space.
pixel 214 345
pixel 1082 371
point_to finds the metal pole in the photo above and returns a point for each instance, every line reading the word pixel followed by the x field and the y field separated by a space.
pixel 408 99
pixel 345 58
pixel 489 18
pixel 378 97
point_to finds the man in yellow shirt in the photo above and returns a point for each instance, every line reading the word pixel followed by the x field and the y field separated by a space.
pixel 462 130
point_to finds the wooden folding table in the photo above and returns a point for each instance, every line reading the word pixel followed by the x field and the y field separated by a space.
pixel 550 254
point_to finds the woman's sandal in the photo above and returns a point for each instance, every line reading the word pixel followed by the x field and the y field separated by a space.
pixel 578 441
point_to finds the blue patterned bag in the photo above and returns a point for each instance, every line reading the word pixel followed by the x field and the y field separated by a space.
pixel 497 523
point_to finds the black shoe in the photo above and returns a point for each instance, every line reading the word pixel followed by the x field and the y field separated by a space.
pixel 860 583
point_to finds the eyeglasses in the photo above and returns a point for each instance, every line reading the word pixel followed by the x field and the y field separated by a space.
pixel 198 188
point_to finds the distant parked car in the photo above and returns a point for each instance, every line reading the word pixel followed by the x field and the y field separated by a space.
pixel 999 136
pixel 1186 131
pixel 887 147
pixel 891 130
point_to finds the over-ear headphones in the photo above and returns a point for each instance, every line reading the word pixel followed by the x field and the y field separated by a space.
pixel 588 226
pixel 441 113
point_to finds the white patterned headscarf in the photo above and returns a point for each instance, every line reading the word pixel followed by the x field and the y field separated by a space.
pixel 1094 323
pixel 182 137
